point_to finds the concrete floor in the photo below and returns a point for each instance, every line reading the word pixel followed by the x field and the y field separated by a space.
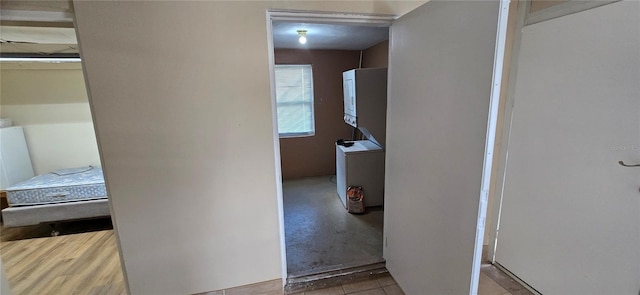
pixel 321 234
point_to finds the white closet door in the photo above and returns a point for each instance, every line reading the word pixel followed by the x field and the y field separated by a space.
pixel 570 220
pixel 441 62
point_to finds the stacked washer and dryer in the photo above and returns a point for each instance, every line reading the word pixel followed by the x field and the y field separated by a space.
pixel 365 108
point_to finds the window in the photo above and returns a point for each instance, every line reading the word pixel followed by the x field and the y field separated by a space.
pixel 294 100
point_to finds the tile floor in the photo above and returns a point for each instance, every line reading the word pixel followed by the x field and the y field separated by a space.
pixel 319 231
pixel 492 282
pixel 384 285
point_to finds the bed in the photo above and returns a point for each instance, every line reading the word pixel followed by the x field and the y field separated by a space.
pixel 62 195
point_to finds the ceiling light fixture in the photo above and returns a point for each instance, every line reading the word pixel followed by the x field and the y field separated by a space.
pixel 303 36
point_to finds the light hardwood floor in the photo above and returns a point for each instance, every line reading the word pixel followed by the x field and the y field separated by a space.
pixel 76 262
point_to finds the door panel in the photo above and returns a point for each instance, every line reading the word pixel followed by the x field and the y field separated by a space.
pixel 440 75
pixel 570 221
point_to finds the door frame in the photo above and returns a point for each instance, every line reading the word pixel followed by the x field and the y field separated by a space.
pixel 325 17
pixel 492 128
pixel 525 17
pixel 490 140
pixel 523 10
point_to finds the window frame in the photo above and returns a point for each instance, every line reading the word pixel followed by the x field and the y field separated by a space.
pixel 312 104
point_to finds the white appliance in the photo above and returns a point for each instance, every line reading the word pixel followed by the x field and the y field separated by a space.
pixel 361 164
pixel 365 101
pixel 365 108
pixel 15 162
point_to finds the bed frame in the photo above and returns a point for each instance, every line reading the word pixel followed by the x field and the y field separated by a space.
pixel 15 167
pixel 52 213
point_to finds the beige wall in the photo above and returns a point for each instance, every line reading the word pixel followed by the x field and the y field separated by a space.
pixel 50 102
pixel 4 282
pixel 537 5
pixel 181 97
pixel 315 155
pixel 376 56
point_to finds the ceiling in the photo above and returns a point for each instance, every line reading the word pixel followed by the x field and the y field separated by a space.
pixel 38 40
pixel 46 28
pixel 327 36
pixel 41 28
pixel 60 40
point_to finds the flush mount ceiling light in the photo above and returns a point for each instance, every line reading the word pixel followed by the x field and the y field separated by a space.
pixel 302 36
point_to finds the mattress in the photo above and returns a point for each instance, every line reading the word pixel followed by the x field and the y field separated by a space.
pixel 61 186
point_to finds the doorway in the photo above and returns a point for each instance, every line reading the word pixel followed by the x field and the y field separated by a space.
pixel 564 179
pixel 445 97
pixel 49 149
pixel 320 235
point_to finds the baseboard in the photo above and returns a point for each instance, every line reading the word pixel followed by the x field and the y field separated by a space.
pixel 517 279
pixel 268 287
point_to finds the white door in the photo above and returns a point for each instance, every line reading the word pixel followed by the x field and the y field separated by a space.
pixel 441 62
pixel 570 221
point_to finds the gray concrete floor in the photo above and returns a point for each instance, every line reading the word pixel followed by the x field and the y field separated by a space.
pixel 321 234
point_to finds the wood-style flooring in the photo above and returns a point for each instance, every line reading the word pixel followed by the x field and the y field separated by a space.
pixel 82 260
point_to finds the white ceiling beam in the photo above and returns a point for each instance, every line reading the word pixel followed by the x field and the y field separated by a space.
pixel 9 15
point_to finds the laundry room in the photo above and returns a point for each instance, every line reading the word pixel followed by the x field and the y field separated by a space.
pixel 315 65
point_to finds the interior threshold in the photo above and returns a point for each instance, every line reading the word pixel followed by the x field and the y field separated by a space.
pixel 320 278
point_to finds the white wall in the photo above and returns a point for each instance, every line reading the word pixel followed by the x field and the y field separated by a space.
pixel 50 102
pixel 180 94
